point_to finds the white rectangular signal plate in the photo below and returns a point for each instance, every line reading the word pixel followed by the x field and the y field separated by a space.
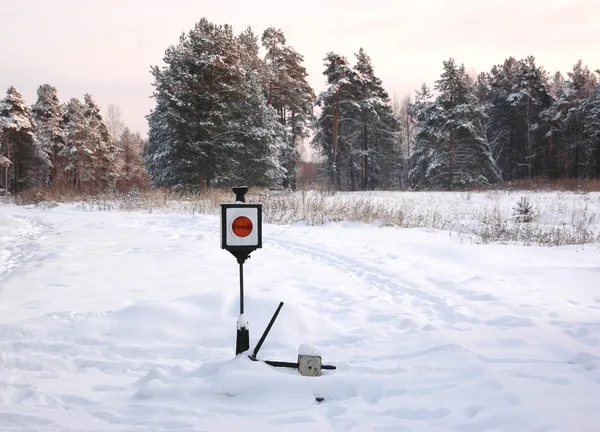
pixel 229 212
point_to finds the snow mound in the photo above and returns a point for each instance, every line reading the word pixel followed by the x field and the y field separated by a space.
pixel 309 350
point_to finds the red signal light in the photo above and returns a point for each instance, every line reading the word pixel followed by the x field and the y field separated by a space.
pixel 242 226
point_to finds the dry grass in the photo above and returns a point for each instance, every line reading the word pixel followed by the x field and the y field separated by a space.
pixel 478 217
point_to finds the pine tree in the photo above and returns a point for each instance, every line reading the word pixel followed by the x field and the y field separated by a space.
pixel 530 98
pixel 462 156
pixel 378 128
pixel 574 151
pixel 100 144
pixel 48 114
pixel 502 125
pixel 19 144
pixel 291 96
pixel 428 120
pixel 195 86
pixel 165 156
pixel 581 84
pixel 77 131
pixel 202 135
pixel 555 117
pixel 592 128
pixel 515 96
pixel 336 102
pixel 258 142
pixel 250 49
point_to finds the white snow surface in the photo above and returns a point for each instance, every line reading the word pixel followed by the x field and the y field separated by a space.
pixel 307 349
pixel 126 322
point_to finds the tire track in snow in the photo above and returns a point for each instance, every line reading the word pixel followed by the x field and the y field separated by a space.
pixel 435 308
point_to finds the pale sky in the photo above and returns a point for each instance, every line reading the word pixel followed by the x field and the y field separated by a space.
pixel 106 47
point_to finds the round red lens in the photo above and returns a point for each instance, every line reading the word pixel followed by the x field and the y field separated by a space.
pixel 242 226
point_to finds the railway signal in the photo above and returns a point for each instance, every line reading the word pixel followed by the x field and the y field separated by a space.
pixel 241 234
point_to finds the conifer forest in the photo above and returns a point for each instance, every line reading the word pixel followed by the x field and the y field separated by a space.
pixel 232 108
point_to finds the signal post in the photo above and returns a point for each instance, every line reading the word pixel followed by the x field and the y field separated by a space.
pixel 241 234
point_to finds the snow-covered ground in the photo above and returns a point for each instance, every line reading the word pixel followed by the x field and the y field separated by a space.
pixel 113 321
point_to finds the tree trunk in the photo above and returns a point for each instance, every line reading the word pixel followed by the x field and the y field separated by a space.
pixel 530 152
pixel 364 157
pixel 598 158
pixel 352 174
pixel 451 162
pixel 209 174
pixel 293 184
pixel 576 173
pixel 408 158
pixel 6 186
pixel 334 138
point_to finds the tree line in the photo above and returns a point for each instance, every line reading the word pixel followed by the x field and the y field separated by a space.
pixel 515 122
pixel 235 108
pixel 225 114
pixel 54 143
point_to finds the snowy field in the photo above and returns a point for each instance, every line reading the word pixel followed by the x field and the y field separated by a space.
pixel 125 321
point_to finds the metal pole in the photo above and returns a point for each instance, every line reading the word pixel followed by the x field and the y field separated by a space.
pixel 242 342
pixel 266 332
pixel 241 288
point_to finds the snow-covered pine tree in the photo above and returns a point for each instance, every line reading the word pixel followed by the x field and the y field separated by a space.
pixel 200 93
pixel 378 128
pixel 530 101
pixel 463 157
pixel 518 95
pixel 257 139
pixel 101 145
pixel 428 126
pixel 573 153
pixel 337 101
pixel 590 111
pixel 79 166
pixel 555 117
pixel 482 89
pixel 582 83
pixel 502 82
pixel 48 114
pixel 358 129
pixel 291 96
pixel 249 55
pixel 19 144
pixel 192 90
pixel 166 156
pixel 589 114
